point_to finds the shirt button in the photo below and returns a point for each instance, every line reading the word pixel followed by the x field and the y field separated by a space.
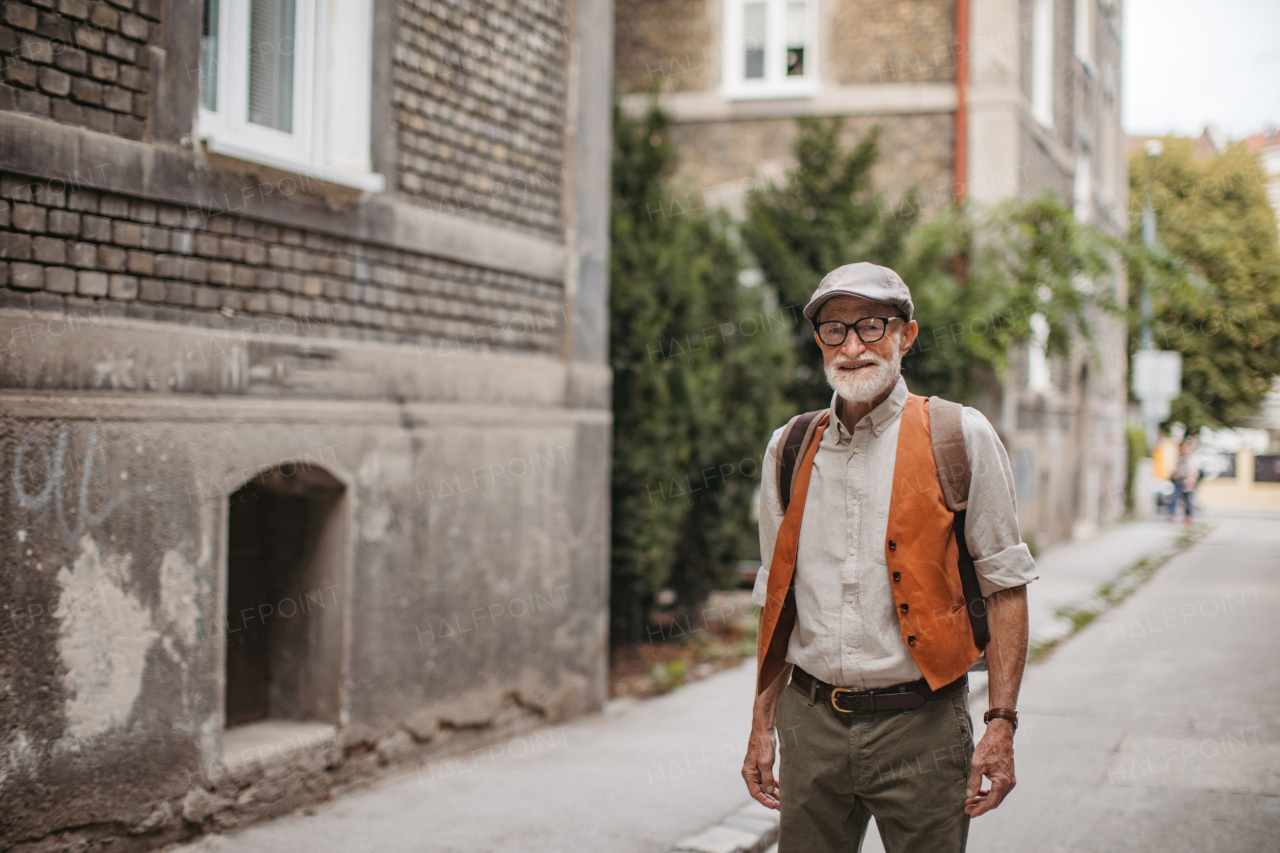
pixel 848 650
pixel 857 450
pixel 849 599
pixel 897 576
pixel 905 607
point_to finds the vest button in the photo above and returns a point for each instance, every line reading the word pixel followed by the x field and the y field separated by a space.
pixel 897 576
pixel 904 608
pixel 893 546
pixel 911 641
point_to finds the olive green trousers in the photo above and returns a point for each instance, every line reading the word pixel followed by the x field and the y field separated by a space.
pixel 907 769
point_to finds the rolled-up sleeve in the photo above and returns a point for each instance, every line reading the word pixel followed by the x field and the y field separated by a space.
pixel 991 522
pixel 770 516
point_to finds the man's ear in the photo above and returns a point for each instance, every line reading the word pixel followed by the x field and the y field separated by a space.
pixel 909 334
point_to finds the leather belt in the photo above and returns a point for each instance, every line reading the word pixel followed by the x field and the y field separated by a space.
pixel 899 697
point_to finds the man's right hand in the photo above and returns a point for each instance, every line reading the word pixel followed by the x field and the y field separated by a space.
pixel 758 767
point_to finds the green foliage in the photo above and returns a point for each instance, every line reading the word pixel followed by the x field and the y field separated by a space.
pixel 696 389
pixel 977 277
pixel 827 214
pixel 1214 280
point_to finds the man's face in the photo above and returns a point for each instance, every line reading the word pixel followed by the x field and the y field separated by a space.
pixel 860 372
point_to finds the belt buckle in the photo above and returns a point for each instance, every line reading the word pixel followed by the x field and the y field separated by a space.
pixel 834 692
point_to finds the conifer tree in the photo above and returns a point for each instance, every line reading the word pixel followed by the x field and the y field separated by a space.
pixel 698 361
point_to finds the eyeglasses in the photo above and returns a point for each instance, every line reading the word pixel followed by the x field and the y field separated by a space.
pixel 868 329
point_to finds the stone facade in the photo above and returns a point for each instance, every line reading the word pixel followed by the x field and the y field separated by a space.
pixel 302 481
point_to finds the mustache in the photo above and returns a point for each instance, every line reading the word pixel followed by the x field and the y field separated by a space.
pixel 865 358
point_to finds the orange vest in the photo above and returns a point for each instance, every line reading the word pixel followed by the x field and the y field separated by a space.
pixel 920 549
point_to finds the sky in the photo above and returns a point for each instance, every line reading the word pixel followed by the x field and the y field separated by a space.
pixel 1188 63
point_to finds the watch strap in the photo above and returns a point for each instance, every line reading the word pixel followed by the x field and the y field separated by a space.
pixel 1001 714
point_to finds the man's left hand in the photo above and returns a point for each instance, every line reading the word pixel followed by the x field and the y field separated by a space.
pixel 992 758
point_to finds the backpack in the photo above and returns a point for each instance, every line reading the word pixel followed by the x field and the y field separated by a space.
pixel 951 458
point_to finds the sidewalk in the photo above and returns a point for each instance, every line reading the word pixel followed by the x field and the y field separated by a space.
pixel 642 776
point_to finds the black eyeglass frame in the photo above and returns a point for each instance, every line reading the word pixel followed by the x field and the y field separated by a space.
pixel 854 325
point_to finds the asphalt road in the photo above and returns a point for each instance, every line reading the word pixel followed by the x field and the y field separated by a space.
pixel 1157 727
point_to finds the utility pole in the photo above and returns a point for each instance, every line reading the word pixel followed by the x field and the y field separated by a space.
pixel 1157 375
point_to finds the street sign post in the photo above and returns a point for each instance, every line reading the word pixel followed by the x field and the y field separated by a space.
pixel 1157 381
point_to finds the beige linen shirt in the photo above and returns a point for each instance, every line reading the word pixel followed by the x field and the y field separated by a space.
pixel 847 630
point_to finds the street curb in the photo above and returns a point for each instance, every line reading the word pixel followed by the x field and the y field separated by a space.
pixel 750 829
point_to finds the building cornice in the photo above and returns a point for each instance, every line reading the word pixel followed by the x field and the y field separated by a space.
pixel 849 100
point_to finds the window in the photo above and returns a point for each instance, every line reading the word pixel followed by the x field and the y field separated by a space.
pixel 1042 62
pixel 1083 186
pixel 1039 376
pixel 286 83
pixel 769 48
pixel 1084 32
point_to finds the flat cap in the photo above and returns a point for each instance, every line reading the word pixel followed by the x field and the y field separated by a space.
pixel 867 281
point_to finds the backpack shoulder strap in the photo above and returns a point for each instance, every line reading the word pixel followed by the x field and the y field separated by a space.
pixel 950 455
pixel 795 439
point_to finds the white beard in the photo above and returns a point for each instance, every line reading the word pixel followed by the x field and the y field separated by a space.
pixel 863 386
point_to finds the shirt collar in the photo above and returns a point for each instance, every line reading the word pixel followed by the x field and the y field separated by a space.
pixel 880 417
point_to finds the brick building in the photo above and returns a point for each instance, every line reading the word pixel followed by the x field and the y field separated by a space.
pixel 305 397
pixel 982 99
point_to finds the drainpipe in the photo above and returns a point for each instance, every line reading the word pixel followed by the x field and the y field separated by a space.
pixel 962 100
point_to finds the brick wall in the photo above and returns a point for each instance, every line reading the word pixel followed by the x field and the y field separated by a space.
pixel 725 162
pixel 77 250
pixel 81 62
pixel 668 42
pixel 479 103
pixel 892 41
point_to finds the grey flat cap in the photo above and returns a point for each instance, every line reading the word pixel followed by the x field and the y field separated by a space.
pixel 868 281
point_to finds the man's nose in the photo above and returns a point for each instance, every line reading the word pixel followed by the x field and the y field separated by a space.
pixel 853 345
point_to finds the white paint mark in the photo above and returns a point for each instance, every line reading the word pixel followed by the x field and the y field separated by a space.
pixel 103 640
pixel 376 521
pixel 178 591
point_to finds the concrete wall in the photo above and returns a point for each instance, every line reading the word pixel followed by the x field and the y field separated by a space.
pixel 175 325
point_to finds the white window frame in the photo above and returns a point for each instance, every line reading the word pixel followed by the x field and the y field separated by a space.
pixel 775 84
pixel 1084 32
pixel 1039 372
pixel 1042 62
pixel 332 95
pixel 1083 187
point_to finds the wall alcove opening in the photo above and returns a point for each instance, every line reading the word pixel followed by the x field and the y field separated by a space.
pixel 285 597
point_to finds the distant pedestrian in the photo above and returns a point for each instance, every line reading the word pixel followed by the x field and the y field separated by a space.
pixel 865 636
pixel 1186 475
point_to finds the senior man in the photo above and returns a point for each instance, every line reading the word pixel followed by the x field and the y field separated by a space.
pixel 869 624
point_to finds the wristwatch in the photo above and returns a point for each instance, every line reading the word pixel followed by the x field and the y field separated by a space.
pixel 1001 714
